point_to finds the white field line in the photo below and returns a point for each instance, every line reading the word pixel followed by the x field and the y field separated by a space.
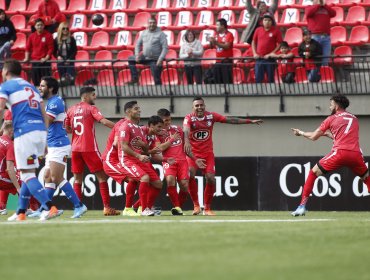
pixel 154 221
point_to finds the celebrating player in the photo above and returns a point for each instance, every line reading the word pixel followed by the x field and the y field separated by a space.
pixel 198 127
pixel 80 122
pixel 344 129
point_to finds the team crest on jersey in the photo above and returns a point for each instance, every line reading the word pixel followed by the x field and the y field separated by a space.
pixel 201 135
pixel 31 159
pixel 134 143
pixel 175 143
pixel 209 117
pixel 209 123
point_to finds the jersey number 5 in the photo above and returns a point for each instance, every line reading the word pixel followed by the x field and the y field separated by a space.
pixel 31 99
pixel 78 125
pixel 348 125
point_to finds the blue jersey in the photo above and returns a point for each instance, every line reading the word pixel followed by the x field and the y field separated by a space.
pixel 57 135
pixel 25 101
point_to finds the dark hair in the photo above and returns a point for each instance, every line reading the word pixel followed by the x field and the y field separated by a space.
pixel 51 83
pixel 2 11
pixel 154 120
pixel 198 98
pixel 163 113
pixel 341 100
pixel 13 66
pixel 91 82
pixel 259 3
pixel 84 90
pixel 222 22
pixel 187 34
pixel 152 17
pixel 129 105
pixel 284 44
pixel 39 20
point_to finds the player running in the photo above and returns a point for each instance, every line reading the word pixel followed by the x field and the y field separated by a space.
pixel 344 130
pixel 198 127
pixel 80 122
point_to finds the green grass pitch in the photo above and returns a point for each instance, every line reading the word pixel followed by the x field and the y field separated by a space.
pixel 233 245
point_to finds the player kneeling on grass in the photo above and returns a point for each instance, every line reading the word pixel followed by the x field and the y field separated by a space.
pixel 346 152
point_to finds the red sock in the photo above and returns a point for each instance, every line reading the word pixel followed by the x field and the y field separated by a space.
pixel 152 195
pixel 174 196
pixel 34 204
pixel 130 193
pixel 104 192
pixel 182 197
pixel 137 204
pixel 367 182
pixel 143 193
pixel 308 186
pixel 193 190
pixel 3 199
pixel 78 190
pixel 208 196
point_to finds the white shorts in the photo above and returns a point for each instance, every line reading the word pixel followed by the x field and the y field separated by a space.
pixel 57 154
pixel 28 148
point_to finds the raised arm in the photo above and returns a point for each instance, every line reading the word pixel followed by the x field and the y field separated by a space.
pixel 235 120
pixel 314 135
pixel 107 123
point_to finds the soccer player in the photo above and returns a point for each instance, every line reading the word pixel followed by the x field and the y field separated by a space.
pixel 80 122
pixel 198 127
pixel 59 146
pixel 344 130
pixel 172 147
pixel 131 139
pixel 29 136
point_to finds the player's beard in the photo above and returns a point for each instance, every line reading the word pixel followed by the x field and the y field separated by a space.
pixel 333 112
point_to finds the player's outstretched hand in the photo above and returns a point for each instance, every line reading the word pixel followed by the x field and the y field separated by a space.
pixel 144 158
pixel 256 122
pixel 201 163
pixel 296 131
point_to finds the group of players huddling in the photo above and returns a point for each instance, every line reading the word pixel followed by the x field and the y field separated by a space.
pixel 130 150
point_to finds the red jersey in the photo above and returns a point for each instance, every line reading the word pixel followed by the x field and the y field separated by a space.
pixel 8 115
pixel 50 9
pixel 345 129
pixel 227 37
pixel 39 45
pixel 285 65
pixel 6 153
pixel 267 40
pixel 81 118
pixel 150 139
pixel 110 153
pixel 176 150
pixel 318 18
pixel 130 132
pixel 200 135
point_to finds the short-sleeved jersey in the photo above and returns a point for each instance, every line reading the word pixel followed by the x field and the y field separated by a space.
pixel 345 129
pixel 6 153
pixel 201 129
pixel 150 139
pixel 57 135
pixel 25 101
pixel 8 115
pixel 110 153
pixel 130 133
pixel 81 118
pixel 227 37
pixel 176 150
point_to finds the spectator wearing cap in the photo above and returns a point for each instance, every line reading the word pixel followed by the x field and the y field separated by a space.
pixel 50 13
pixel 310 49
pixel 318 21
pixel 266 41
pixel 7 35
pixel 39 49
pixel 285 62
pixel 256 17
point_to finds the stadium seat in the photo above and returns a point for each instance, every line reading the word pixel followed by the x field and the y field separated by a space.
pixel 16 7
pixel 290 17
pixel 359 36
pixel 302 4
pixel 62 5
pixel 84 57
pixel 140 21
pixel 349 3
pixel 81 39
pixel 220 5
pixel 170 37
pixel 327 74
pixel 284 4
pixel 105 77
pixel 78 22
pixel 96 6
pixel 99 41
pixel 103 55
pixel 118 22
pixel 293 36
pixel 171 54
pixel 238 75
pixel 243 20
pixel 343 55
pixel 137 6
pixel 332 2
pixel 236 37
pixel 201 5
pixel 367 21
pixel 93 28
pixel 170 76
pixel 203 35
pixel 18 55
pixel 365 3
pixel 123 77
pixel 115 6
pixel 19 22
pixel 179 40
pixel 355 15
pixel 132 47
pixel 20 43
pixel 210 53
pixel 301 75
pixel 75 6
pixel 229 16
pixel 339 17
pixel 3 5
pixel 146 78
pixel 83 76
pixel 33 6
pixel 338 35
pixel 158 5
pixel 179 5
pixel 164 19
pixel 183 20
pixel 122 40
pixel 123 55
pixel 204 20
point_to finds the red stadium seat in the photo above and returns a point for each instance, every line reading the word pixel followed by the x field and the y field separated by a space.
pixel 103 55
pixel 229 16
pixel 355 16
pixel 32 7
pixel 236 37
pixel 349 3
pixel 93 28
pixel 210 53
pixel 96 6
pixel 118 22
pixel 81 39
pixel 237 53
pixel 339 17
pixel 290 17
pixel 62 5
pixel 303 4
pixel 243 20
pixel 99 41
pixel 164 19
pixel 283 4
pixel 366 22
pixel 20 43
pixel 19 22
pixel 332 2
pixel 301 75
pixel 170 37
pixel 327 74
pixel 170 76
pixel 359 36
pixel 3 5
pixel 78 22
pixel 163 5
pixel 83 76
pixel 238 75
pixel 201 5
pixel 123 55
pixel 365 3
pixel 146 78
pixel 105 77
pixel 84 56
pixel 179 40
pixel 183 20
pixel 123 39
pixel 293 36
pixel 220 5
pixel 338 35
pixel 343 55
pixel 16 7
pixel 204 20
pixel 203 36
pixel 179 5
pixel 137 6
pixel 140 21
pixel 19 55
pixel 116 6
pixel 171 54
pixel 75 6
pixel 123 77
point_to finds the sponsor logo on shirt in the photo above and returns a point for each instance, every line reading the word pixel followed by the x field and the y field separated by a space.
pixel 201 135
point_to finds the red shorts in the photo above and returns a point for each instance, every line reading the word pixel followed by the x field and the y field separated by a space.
pixel 114 170
pixel 140 169
pixel 179 169
pixel 210 162
pixel 7 187
pixel 92 160
pixel 343 158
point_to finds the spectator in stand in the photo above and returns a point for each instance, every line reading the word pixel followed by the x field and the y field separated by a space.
pixel 50 13
pixel 318 20
pixel 256 17
pixel 266 41
pixel 223 42
pixel 39 49
pixel 150 49
pixel 192 49
pixel 65 49
pixel 7 35
pixel 310 49
pixel 285 63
